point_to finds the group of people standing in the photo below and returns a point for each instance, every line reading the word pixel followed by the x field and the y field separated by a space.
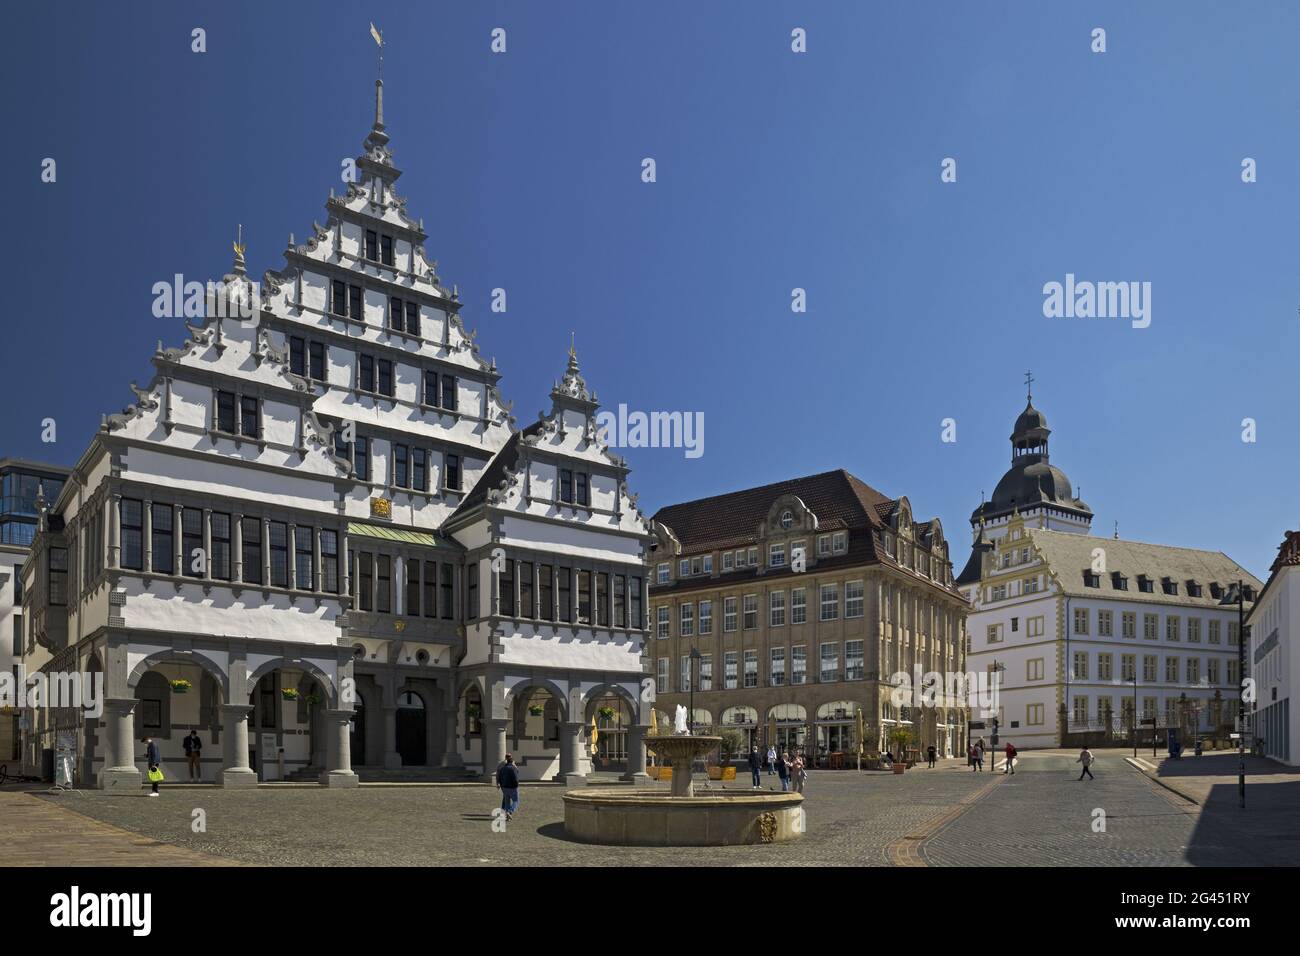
pixel 975 757
pixel 793 773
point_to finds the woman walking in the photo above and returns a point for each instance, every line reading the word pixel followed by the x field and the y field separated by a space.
pixel 154 760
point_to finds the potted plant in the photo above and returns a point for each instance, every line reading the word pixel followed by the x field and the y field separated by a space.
pixel 607 713
pixel 900 738
pixel 313 699
pixel 289 693
pixel 537 710
pixel 473 710
pixel 181 686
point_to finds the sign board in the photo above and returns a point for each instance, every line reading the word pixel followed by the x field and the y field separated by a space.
pixel 977 725
pixel 269 757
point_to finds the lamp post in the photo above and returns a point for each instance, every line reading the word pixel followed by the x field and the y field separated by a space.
pixel 695 676
pixel 1134 726
pixel 994 670
pixel 1237 595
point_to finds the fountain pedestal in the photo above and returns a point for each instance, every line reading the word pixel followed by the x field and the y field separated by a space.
pixel 682 750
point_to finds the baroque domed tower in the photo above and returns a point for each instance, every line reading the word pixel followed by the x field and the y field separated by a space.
pixel 1033 487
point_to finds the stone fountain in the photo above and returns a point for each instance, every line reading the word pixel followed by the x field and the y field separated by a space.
pixel 632 817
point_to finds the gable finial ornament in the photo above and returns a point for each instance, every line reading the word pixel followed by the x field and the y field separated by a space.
pixel 1029 386
pixel 238 246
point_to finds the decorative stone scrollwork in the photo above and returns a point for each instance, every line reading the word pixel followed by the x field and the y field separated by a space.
pixel 144 398
pixel 767 826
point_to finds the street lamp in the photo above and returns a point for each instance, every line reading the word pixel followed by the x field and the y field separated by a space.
pixel 695 676
pixel 994 670
pixel 1237 595
pixel 1134 723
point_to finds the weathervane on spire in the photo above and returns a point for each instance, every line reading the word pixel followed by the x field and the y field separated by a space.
pixel 1029 385
pixel 238 246
pixel 573 353
pixel 379 82
pixel 379 39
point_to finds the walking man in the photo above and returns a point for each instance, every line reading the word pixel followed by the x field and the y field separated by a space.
pixel 756 766
pixel 979 757
pixel 771 760
pixel 1085 758
pixel 1011 759
pixel 193 749
pixel 929 753
pixel 783 770
pixel 508 781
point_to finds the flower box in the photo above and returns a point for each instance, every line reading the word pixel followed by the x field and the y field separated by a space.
pixel 181 686
pixel 289 693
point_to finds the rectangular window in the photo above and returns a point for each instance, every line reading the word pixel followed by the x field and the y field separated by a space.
pixel 58 577
pixel 1171 670
pixel 776 555
pixel 687 620
pixel 798 664
pixel 602 599
pixel 776 609
pixel 1104 666
pixel 1149 622
pixel 663 621
pixel 1034 715
pixel 1128 667
pixel 706 672
pixel 776 667
pixel 471 590
pixel 580 490
pixel 316 361
pixel 164 540
pixel 1081 616
pixel 584 597
pixel 226 412
pixel 1080 665
pixel 566 486
pixel 355 310
pixel 994 634
pixel 452 479
pixel 546 593
pixel 661 574
pixel 1081 710
pixel 706 617
pixel 830 670
pixel 1193 670
pixel 132 532
pixel 304 562
pixel 1193 630
pixel 751 611
pixel 1034 669
pixel 1172 632
pixel 372 245
pixel 297 355
pixel 683 567
pixel 1034 626
pixel 250 422
pixel 566 595
pixel 527 606
pixel 685 673
pixel 366 373
pixel 449 392
pixel 854 663
pixel 192 543
pixel 798 606
pixel 729 660
pixel 401 472
pixel 431 388
pixel 708 564
pixel 1215 632
pixel 634 611
pixel 339 297
pixel 411 585
pixel 445 604
pixel 329 561
pixel 361 458
pixel 662 675
pixel 386 377
pixel 413 318
pixel 430 589
pixel 1212 670
pixel 751 667
pixel 728 561
pixel 386 250
pixel 1128 625
pixel 1149 662
pixel 220 557
pixel 366 580
pixel 278 533
pixel 250 534
pixel 383 584
pixel 853 599
pixel 729 614
pixel 419 469
pixel 506 588
pixel 839 541
pixel 830 602
pixel 396 314
pixel 1105 624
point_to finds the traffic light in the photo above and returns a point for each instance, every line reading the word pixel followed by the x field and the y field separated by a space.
pixel 995 730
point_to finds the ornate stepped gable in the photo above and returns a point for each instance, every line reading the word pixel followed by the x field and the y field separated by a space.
pixel 301 414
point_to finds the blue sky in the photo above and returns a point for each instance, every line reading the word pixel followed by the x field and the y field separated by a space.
pixel 775 171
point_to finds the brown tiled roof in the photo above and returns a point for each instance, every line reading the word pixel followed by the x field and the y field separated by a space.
pixel 839 500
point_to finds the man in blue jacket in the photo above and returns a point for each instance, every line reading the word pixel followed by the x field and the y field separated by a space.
pixel 508 781
pixel 756 767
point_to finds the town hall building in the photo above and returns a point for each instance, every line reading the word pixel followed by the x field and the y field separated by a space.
pixel 318 539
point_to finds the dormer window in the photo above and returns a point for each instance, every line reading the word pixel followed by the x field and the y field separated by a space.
pixel 696 565
pixel 1193 589
pixel 839 542
pixel 661 573
pixel 1145 584
pixel 684 567
pixel 823 545
pixel 787 518
pixel 728 561
pixel 1169 585
pixel 1091 580
pixel 708 564
pixel 776 556
pixel 1216 590
pixel 1118 581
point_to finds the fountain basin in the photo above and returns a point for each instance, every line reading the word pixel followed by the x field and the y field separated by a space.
pixel 656 818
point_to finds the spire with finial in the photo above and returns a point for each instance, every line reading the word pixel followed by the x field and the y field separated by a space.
pixel 1029 386
pixel 1116 530
pixel 572 385
pixel 238 245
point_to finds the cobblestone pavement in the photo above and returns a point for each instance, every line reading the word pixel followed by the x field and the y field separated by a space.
pixel 937 817
pixel 1044 816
